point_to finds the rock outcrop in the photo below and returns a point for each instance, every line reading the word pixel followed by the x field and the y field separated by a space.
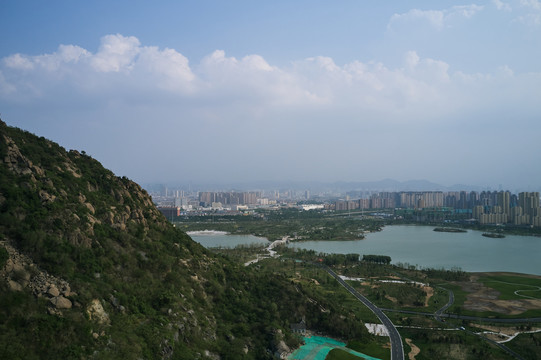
pixel 20 272
pixel 96 312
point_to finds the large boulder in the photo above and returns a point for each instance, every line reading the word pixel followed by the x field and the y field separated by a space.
pixel 61 302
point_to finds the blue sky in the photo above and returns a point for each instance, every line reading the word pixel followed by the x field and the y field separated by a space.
pixel 286 90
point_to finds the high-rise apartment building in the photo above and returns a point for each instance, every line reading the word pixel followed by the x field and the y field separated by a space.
pixel 229 198
pixel 504 201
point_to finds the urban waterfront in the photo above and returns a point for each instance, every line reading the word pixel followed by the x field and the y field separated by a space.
pixel 421 246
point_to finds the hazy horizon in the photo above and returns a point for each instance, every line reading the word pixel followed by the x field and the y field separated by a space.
pixel 305 91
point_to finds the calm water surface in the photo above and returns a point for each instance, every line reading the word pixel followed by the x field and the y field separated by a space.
pixel 420 245
pixel 220 239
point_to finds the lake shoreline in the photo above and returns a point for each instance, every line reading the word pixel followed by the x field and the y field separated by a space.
pixel 420 246
pixel 207 232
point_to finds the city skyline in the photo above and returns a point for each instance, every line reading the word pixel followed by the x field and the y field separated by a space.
pixel 304 91
pixel 484 208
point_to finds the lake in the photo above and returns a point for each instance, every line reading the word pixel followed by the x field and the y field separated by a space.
pixel 213 239
pixel 420 245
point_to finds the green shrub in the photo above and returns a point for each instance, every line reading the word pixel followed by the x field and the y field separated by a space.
pixel 4 256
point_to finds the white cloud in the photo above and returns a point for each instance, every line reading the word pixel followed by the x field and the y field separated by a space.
pixel 412 59
pixel 532 4
pixel 116 53
pixel 18 62
pixel 500 5
pixel 437 19
pixel 152 102
pixel 531 15
pixel 71 53
pixel 433 17
pixel 167 68
pixel 466 11
pixel 250 78
pixel 124 70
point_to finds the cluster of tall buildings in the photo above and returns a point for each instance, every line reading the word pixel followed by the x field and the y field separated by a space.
pixel 496 207
pixel 390 200
pixel 207 198
pixel 521 210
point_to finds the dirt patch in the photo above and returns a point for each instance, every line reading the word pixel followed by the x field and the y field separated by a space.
pixel 414 349
pixel 483 298
pixel 429 293
pixel 506 307
pixel 394 300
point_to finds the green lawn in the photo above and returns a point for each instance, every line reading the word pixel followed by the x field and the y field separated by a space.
pixel 375 349
pixel 338 354
pixel 514 287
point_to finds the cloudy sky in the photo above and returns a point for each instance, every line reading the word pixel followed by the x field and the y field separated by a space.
pixel 227 91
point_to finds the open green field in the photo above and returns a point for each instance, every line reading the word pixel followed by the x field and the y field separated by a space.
pixel 376 348
pixel 513 287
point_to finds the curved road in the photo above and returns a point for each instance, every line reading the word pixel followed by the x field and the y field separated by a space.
pixel 439 312
pixel 397 350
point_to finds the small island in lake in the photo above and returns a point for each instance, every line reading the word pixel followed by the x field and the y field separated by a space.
pixel 493 235
pixel 452 230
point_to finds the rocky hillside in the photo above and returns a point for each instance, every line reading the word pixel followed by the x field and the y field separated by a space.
pixel 90 269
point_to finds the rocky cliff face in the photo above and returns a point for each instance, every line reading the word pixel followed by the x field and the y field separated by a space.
pixel 55 182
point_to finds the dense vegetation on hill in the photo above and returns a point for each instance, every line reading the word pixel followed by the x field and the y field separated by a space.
pixel 90 269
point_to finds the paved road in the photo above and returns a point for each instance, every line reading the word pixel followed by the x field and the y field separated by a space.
pixel 397 350
pixel 439 313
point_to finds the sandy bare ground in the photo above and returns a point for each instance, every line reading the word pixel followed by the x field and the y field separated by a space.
pixel 429 293
pixel 495 337
pixel 483 298
pixel 414 349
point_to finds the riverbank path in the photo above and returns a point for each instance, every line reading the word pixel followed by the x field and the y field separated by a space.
pixel 269 248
